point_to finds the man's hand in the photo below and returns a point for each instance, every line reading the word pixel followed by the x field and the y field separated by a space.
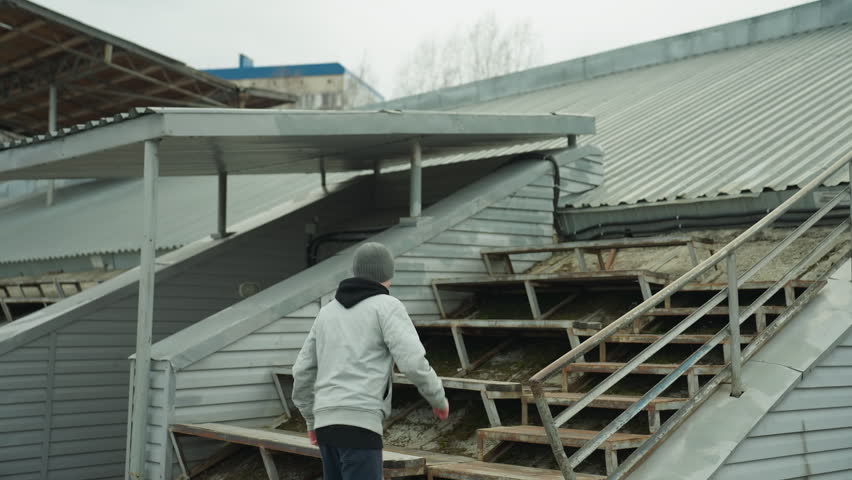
pixel 312 436
pixel 442 414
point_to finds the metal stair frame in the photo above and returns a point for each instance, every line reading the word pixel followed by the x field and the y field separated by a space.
pixel 732 371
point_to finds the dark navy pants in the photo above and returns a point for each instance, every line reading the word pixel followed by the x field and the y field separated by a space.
pixel 351 463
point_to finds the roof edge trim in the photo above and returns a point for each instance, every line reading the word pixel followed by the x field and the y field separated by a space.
pixel 740 33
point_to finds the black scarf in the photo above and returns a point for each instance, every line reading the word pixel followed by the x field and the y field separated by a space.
pixel 352 291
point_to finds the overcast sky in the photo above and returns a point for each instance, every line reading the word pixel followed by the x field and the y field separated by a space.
pixel 211 33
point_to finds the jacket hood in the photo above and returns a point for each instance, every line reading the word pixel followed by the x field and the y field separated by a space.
pixel 352 291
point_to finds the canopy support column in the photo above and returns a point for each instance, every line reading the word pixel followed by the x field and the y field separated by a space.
pixel 416 203
pixel 145 313
pixel 51 127
pixel 222 211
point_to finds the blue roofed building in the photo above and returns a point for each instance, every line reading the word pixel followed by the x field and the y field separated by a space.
pixel 316 85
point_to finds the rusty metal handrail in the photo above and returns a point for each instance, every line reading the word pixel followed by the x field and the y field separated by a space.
pixel 727 253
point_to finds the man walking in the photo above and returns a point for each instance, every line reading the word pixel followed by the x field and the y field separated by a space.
pixel 343 376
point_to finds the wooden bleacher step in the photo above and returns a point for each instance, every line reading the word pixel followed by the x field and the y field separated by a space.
pixel 643 369
pixel 570 438
pixel 496 471
pixel 692 339
pixel 506 323
pixel 269 440
pixel 471 384
pixel 615 402
pixel 617 276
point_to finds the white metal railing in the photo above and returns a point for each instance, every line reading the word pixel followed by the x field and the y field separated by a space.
pixel 732 332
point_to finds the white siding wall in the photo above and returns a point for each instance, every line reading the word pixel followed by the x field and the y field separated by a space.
pixel 234 385
pixel 63 397
pixel 808 434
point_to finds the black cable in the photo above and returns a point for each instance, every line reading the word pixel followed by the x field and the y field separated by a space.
pixel 690 222
pixel 345 236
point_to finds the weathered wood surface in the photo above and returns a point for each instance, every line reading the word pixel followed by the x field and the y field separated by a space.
pixel 506 323
pixel 476 470
pixel 693 287
pixel 609 401
pixel 684 311
pixel 692 339
pixel 545 279
pixel 471 384
pixel 597 245
pixel 643 369
pixel 288 442
pixel 570 437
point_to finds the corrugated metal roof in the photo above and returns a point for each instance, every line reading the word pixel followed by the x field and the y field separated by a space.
pixel 764 116
pixel 103 217
pixel 197 141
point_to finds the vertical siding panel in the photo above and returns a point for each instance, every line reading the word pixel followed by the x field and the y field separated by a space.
pixel 23 398
pixel 808 433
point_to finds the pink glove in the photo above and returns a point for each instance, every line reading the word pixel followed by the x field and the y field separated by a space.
pixel 312 436
pixel 442 414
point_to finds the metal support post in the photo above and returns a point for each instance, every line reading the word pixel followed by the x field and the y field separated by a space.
pixel 51 127
pixel 323 175
pixel 222 213
pixel 416 189
pixel 139 412
pixel 572 141
pixel 850 202
pixel 734 325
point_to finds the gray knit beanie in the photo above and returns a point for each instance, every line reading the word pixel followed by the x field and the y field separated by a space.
pixel 373 261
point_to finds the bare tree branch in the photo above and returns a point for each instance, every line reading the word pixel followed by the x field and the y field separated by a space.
pixel 484 49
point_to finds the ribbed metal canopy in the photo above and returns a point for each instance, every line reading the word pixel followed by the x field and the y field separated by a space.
pixel 211 141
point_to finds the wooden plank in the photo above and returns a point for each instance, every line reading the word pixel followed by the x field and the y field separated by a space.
pixel 470 384
pixel 269 464
pixel 643 369
pixel 699 287
pixel 690 339
pixel 288 442
pixel 461 349
pixel 570 437
pixel 475 470
pixel 597 245
pixel 609 401
pixel 533 300
pixel 684 311
pixel 507 323
pixel 456 383
pixel 545 279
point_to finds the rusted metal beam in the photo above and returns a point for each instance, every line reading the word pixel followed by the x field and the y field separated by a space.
pixel 33 57
pixel 129 71
pixel 19 30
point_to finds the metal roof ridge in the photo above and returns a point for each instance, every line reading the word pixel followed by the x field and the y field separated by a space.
pixel 739 33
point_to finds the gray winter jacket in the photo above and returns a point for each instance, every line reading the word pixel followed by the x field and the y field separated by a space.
pixel 343 374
